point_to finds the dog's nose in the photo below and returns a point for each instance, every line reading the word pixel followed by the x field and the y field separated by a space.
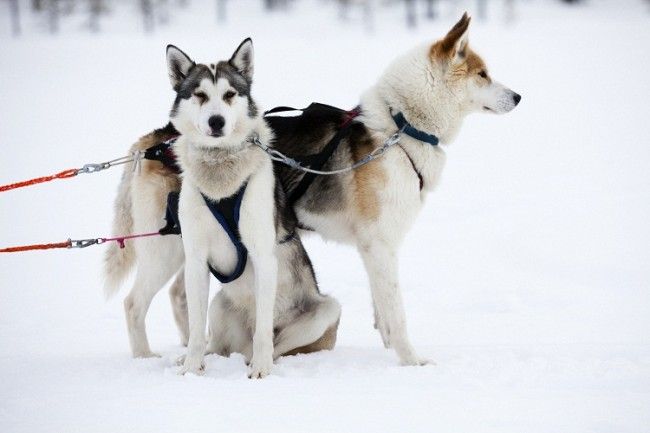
pixel 216 124
pixel 516 97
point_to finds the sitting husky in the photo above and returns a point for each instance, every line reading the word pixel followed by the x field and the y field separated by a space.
pixel 235 224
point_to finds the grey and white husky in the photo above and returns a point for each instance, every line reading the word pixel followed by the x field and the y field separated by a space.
pixel 434 87
pixel 216 117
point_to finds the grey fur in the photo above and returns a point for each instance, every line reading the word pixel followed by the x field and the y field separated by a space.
pixel 304 319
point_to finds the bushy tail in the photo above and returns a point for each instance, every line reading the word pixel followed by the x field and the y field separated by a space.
pixel 118 262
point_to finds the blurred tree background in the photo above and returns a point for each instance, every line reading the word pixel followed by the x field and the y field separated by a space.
pixel 51 15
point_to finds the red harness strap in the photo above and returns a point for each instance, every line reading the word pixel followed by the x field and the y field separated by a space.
pixel 351 115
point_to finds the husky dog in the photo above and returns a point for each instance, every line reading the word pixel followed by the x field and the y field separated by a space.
pixel 216 116
pixel 433 88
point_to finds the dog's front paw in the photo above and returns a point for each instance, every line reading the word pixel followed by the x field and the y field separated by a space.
pixel 416 361
pixel 260 368
pixel 190 365
pixel 146 354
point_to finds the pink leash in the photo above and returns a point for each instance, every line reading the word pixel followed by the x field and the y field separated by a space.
pixel 120 239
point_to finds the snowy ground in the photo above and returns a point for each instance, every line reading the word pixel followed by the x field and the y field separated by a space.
pixel 526 277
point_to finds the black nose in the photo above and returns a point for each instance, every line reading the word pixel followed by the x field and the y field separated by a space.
pixel 516 97
pixel 216 125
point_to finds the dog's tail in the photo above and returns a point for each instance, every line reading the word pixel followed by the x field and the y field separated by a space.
pixel 118 262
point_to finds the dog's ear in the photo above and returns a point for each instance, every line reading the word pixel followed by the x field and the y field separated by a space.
pixel 242 59
pixel 178 66
pixel 454 44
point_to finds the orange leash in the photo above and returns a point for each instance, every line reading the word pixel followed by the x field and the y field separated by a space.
pixel 66 244
pixel 62 175
pixel 135 157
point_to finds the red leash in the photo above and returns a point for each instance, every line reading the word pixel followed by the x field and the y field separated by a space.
pixel 66 174
pixel 82 243
pixel 62 175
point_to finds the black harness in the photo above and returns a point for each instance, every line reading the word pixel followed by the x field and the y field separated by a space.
pixel 225 211
pixel 313 113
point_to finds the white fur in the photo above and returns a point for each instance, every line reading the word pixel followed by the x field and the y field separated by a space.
pixel 435 102
pixel 204 239
pixel 194 115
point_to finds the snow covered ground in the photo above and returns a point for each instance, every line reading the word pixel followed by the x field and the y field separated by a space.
pixel 526 278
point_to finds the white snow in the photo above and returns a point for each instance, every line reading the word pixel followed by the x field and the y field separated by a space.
pixel 526 277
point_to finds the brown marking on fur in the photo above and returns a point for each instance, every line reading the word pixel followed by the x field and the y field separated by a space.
pixel 325 342
pixel 474 63
pixel 444 48
pixel 369 179
pixel 470 66
pixel 156 168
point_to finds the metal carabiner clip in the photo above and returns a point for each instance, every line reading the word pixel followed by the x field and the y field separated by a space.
pixel 92 168
pixel 83 243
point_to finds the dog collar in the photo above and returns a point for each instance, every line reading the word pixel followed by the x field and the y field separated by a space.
pixel 408 129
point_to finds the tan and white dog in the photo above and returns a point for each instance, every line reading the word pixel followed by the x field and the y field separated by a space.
pixel 434 87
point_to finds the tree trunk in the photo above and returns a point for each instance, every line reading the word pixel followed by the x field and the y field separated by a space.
pixel 368 15
pixel 509 12
pixel 146 7
pixel 221 11
pixel 96 8
pixel 53 15
pixel 15 17
pixel 481 8
pixel 411 19
pixel 431 9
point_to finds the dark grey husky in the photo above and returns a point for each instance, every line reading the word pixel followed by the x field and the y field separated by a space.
pixel 216 113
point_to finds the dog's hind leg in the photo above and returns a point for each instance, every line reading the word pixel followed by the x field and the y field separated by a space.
pixel 227 330
pixel 179 306
pixel 316 325
pixel 154 270
pixel 380 260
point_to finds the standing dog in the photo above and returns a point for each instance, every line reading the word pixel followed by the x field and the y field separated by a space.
pixel 216 116
pixel 432 88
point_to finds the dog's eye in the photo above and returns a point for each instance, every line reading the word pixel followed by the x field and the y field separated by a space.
pixel 482 74
pixel 229 95
pixel 202 97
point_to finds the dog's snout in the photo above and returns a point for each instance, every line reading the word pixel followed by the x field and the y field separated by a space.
pixel 216 124
pixel 516 97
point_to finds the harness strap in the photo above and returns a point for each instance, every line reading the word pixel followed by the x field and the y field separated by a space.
pixel 415 169
pixel 226 212
pixel 163 153
pixel 173 226
pixel 317 161
pixel 282 109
